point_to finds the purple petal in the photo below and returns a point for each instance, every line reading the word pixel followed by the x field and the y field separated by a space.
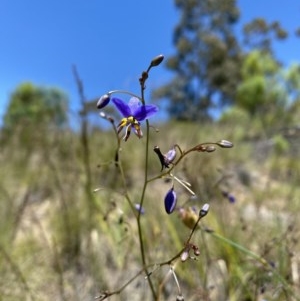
pixel 122 107
pixel 145 112
pixel 140 111
pixel 170 201
pixel 134 105
pixel 171 155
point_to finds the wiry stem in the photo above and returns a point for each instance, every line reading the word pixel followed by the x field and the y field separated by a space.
pixel 124 92
pixel 142 247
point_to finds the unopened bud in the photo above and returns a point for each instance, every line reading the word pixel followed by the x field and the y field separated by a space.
pixel 210 148
pixel 225 144
pixel 184 256
pixel 157 60
pixel 196 251
pixel 102 114
pixel 170 200
pixel 204 210
pixel 170 156
pixel 103 101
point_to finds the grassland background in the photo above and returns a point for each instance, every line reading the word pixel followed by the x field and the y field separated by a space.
pixel 59 240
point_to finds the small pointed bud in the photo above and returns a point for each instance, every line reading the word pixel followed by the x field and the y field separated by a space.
pixel 204 210
pixel 103 115
pixel 200 148
pixel 210 148
pixel 184 256
pixel 196 250
pixel 157 60
pixel 103 101
pixel 170 201
pixel 166 159
pixel 170 155
pixel 225 143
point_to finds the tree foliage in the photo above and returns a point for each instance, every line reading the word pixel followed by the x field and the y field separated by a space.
pixel 32 110
pixel 259 34
pixel 267 90
pixel 207 59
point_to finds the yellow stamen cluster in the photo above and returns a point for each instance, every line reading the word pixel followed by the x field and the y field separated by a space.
pixel 130 122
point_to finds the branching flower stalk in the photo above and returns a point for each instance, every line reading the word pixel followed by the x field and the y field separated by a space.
pixel 134 113
pixel 203 147
pixel 142 247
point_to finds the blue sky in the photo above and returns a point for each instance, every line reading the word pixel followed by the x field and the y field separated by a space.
pixel 109 41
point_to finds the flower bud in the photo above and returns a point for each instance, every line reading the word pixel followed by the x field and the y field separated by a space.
pixel 204 210
pixel 103 115
pixel 225 143
pixel 210 148
pixel 157 60
pixel 103 101
pixel 167 159
pixel 184 256
pixel 196 250
pixel 170 201
pixel 170 155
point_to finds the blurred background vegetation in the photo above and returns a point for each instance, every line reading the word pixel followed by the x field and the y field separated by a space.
pixel 61 241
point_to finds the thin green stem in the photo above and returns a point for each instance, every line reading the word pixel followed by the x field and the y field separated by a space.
pixel 120 166
pixel 140 230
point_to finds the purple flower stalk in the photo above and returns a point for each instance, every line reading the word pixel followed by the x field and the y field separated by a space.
pixel 133 113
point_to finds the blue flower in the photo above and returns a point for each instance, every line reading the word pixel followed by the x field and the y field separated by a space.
pixel 170 200
pixel 133 113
